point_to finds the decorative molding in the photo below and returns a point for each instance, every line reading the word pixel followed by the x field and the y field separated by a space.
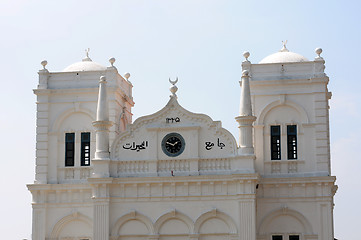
pixel 75 216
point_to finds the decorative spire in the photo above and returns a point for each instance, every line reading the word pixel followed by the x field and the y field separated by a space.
pixel 245 106
pixel 245 118
pixel 87 58
pixel 102 125
pixel 284 49
pixel 173 89
pixel 102 108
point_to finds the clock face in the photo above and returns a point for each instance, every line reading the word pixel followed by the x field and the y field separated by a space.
pixel 173 144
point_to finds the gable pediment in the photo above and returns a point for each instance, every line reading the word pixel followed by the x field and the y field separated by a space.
pixel 203 138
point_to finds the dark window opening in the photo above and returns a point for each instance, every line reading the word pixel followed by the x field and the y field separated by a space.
pixel 294 237
pixel 275 143
pixel 85 149
pixel 292 141
pixel 277 237
pixel 69 149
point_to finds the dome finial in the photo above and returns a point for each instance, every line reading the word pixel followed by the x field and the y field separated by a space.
pixel 87 58
pixel 284 49
pixel 173 89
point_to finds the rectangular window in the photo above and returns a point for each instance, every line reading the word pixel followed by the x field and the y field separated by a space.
pixel 275 143
pixel 292 141
pixel 277 237
pixel 85 149
pixel 69 149
pixel 294 237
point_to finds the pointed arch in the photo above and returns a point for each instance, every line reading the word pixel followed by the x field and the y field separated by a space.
pixel 289 103
pixel 284 211
pixel 133 215
pixel 76 216
pixel 173 215
pixel 215 214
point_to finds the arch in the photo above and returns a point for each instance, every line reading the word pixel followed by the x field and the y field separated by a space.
pixel 133 215
pixel 284 211
pixel 66 113
pixel 289 103
pixel 173 215
pixel 215 214
pixel 76 216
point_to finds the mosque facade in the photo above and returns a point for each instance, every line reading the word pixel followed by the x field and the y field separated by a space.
pixel 180 175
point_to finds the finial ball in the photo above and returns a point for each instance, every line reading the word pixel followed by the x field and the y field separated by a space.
pixel 318 51
pixel 245 73
pixel 44 63
pixel 112 61
pixel 102 78
pixel 127 75
pixel 246 55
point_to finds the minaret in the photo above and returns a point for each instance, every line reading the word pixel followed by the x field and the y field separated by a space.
pixel 102 124
pixel 245 118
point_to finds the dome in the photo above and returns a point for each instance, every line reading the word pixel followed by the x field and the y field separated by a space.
pixel 85 65
pixel 284 56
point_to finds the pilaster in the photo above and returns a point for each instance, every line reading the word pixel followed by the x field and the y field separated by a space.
pixel 38 231
pixel 247 213
pixel 100 198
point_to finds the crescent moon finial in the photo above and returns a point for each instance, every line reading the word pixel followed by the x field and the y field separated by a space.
pixel 173 82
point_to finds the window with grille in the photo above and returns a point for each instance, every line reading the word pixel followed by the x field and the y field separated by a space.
pixel 275 143
pixel 292 141
pixel 69 149
pixel 85 149
pixel 294 237
pixel 277 237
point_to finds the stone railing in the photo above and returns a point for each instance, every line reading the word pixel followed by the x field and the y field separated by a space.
pixel 132 167
pixel 177 165
pixel 283 166
pixel 70 174
pixel 219 164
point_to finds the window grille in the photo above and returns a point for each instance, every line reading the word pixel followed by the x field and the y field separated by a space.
pixel 277 237
pixel 292 141
pixel 294 237
pixel 85 149
pixel 275 143
pixel 69 149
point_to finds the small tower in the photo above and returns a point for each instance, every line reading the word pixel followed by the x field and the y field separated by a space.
pixel 102 125
pixel 245 118
pixel 66 108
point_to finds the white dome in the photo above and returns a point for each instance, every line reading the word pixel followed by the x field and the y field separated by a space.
pixel 86 65
pixel 284 56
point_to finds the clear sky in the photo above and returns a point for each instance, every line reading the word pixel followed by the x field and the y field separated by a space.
pixel 201 42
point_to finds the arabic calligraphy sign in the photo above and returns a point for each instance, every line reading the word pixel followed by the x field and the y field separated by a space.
pixel 172 120
pixel 210 145
pixel 136 147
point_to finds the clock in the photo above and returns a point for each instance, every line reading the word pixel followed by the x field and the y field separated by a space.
pixel 173 144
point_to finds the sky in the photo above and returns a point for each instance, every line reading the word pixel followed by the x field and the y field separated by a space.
pixel 199 41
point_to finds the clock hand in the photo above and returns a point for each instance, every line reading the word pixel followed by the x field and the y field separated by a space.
pixel 172 144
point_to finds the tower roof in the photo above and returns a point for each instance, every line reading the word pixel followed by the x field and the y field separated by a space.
pixel 284 56
pixel 85 65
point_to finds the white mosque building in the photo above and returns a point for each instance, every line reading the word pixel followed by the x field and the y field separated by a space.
pixel 178 175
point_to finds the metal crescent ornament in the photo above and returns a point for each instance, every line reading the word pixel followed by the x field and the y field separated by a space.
pixel 173 82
